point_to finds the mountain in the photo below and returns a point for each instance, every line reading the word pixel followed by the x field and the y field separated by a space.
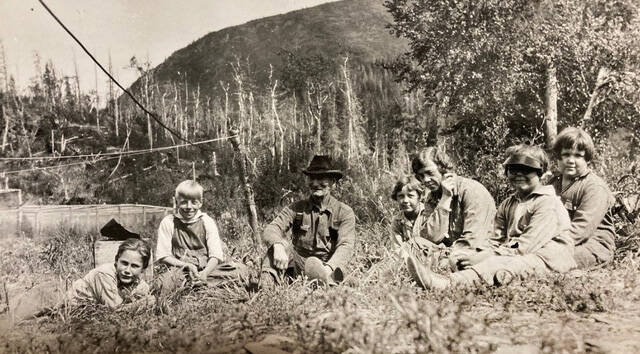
pixel 351 27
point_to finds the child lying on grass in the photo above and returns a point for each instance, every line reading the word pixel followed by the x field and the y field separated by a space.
pixel 112 284
pixel 530 234
pixel 189 244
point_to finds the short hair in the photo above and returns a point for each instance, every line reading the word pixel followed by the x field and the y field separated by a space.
pixel 409 182
pixel 189 189
pixel 574 138
pixel 531 151
pixel 435 156
pixel 137 245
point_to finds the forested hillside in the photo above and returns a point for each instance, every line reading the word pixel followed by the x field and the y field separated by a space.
pixel 333 79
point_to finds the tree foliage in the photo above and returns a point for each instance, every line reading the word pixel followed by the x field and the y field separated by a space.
pixel 479 60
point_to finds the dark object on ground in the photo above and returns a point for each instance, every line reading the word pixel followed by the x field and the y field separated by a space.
pixel 114 231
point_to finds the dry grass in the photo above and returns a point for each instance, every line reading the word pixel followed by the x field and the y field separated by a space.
pixel 378 310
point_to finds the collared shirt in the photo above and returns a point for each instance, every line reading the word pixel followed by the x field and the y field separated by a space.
pixel 403 229
pixel 468 222
pixel 537 224
pixel 589 202
pixel 194 241
pixel 326 232
pixel 100 286
pixel 406 231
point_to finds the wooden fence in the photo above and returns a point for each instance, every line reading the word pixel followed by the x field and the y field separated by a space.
pixel 37 220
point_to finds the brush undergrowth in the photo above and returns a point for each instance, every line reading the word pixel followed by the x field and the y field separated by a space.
pixel 377 310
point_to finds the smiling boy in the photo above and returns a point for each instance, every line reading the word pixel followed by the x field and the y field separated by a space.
pixel 188 240
pixel 586 197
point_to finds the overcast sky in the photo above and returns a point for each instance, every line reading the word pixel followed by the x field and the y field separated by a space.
pixel 126 28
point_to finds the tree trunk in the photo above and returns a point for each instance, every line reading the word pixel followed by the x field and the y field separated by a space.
pixel 603 75
pixel 248 189
pixel 5 132
pixel 279 139
pixel 551 100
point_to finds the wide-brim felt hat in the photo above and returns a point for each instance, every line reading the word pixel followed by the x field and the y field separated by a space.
pixel 322 165
pixel 524 160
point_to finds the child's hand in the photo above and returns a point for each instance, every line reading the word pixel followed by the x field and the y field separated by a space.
pixel 468 260
pixel 280 258
pixel 448 184
pixel 193 270
pixel 202 276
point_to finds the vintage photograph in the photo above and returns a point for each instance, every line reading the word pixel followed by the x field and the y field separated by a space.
pixel 319 176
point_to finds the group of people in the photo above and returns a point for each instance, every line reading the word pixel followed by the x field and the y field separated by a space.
pixel 547 225
pixel 551 223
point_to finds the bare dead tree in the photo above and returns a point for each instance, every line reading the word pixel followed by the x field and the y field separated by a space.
pixel 243 160
pixel 551 98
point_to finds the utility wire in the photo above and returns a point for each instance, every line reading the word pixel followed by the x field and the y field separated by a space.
pixel 112 157
pixel 111 77
pixel 119 153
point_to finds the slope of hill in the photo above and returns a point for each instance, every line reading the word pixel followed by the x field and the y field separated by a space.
pixel 353 27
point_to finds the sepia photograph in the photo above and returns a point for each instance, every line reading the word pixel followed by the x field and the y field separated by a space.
pixel 319 176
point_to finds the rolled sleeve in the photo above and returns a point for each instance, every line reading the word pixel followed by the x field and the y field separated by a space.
pixel 214 243
pixel 275 231
pixel 346 239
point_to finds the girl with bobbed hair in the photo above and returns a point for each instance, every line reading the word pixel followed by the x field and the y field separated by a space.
pixel 461 210
pixel 586 197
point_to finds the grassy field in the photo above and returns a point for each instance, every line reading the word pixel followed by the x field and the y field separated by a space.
pixel 377 310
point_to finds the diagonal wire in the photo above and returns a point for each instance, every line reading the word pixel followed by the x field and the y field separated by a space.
pixel 155 118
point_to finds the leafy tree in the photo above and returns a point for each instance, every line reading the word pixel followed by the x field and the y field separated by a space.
pixel 489 61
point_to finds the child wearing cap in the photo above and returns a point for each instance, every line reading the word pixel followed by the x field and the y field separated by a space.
pixel 586 197
pixel 112 284
pixel 530 234
pixel 460 210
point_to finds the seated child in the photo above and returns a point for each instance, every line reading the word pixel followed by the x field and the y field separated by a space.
pixel 110 284
pixel 461 211
pixel 586 196
pixel 530 234
pixel 408 227
pixel 189 243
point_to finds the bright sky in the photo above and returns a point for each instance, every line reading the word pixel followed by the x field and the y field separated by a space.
pixel 143 28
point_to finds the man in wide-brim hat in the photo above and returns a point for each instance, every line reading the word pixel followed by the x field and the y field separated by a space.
pixel 314 236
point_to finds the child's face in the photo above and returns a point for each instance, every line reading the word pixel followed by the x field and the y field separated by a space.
pixel 129 266
pixel 523 179
pixel 408 200
pixel 430 177
pixel 188 207
pixel 572 163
